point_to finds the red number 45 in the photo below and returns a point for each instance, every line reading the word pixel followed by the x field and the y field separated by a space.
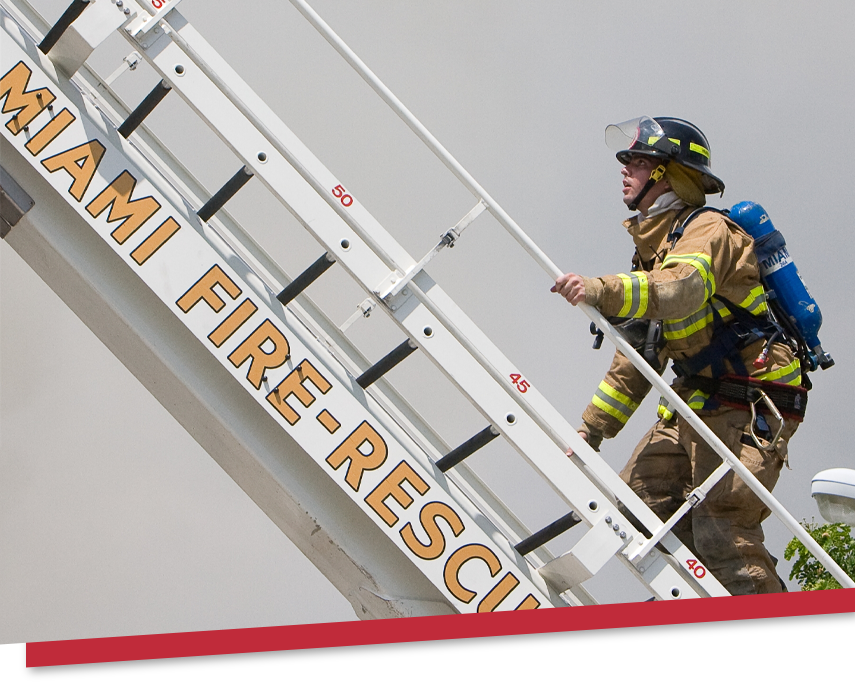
pixel 520 383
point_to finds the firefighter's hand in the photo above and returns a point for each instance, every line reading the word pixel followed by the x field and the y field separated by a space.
pixel 571 287
pixel 584 436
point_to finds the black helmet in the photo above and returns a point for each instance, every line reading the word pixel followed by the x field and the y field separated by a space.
pixel 666 138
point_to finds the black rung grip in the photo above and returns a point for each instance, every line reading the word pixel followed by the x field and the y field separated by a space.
pixel 144 109
pixel 223 196
pixel 74 10
pixel 301 283
pixel 467 448
pixel 381 367
pixel 548 533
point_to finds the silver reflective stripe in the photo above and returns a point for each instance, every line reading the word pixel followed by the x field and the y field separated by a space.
pixel 614 407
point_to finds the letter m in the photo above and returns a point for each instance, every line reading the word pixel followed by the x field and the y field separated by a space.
pixel 132 213
pixel 26 104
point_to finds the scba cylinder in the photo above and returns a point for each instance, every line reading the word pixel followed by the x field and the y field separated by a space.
pixel 781 276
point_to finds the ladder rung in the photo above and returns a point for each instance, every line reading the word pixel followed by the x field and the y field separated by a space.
pixel 381 367
pixel 467 448
pixel 145 108
pixel 302 282
pixel 538 539
pixel 223 196
pixel 74 10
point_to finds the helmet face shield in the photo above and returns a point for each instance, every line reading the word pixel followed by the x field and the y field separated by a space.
pixel 664 138
pixel 639 135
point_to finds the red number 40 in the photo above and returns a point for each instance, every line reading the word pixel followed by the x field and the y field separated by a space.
pixel 346 199
pixel 696 568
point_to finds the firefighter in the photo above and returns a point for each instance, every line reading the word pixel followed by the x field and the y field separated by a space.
pixel 694 293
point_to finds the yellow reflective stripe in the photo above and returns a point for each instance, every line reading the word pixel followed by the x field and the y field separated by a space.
pixel 680 329
pixel 697 400
pixel 702 263
pixel 791 374
pixel 696 148
pixel 652 139
pixel 635 294
pixel 665 410
pixel 613 402
pixel 755 303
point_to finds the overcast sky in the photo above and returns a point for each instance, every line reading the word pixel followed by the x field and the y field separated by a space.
pixel 114 521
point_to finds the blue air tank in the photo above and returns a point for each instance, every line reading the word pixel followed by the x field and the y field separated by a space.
pixel 780 275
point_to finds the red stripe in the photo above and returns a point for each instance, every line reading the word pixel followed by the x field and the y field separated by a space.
pixel 357 633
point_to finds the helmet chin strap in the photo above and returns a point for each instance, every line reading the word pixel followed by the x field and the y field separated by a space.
pixel 655 176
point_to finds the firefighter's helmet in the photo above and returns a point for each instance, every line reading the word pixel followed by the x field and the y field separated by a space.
pixel 668 139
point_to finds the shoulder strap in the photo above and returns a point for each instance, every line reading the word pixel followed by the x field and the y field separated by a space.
pixel 677 231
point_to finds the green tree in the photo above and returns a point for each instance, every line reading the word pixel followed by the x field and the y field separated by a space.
pixel 836 539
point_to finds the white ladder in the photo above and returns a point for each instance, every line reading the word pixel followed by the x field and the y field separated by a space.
pixel 412 491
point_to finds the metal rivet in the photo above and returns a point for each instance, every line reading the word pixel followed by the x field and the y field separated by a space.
pixel 623 535
pixel 615 527
pixel 608 519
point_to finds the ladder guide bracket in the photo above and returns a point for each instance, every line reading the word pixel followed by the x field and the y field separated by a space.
pixel 587 557
pixel 395 282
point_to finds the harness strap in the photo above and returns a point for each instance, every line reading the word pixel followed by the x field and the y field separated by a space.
pixel 743 392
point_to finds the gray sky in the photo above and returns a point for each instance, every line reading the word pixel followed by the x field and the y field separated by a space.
pixel 114 521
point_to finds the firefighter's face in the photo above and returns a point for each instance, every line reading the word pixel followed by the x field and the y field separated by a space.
pixel 635 175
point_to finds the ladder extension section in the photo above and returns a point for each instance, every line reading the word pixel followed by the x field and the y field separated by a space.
pixel 299 370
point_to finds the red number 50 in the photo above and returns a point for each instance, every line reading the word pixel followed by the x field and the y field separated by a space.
pixel 346 199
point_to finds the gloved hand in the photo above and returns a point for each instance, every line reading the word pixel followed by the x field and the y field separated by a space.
pixel 591 436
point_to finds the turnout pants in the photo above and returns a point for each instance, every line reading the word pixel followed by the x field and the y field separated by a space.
pixel 724 530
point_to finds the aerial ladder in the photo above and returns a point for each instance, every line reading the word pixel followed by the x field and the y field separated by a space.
pixel 263 379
